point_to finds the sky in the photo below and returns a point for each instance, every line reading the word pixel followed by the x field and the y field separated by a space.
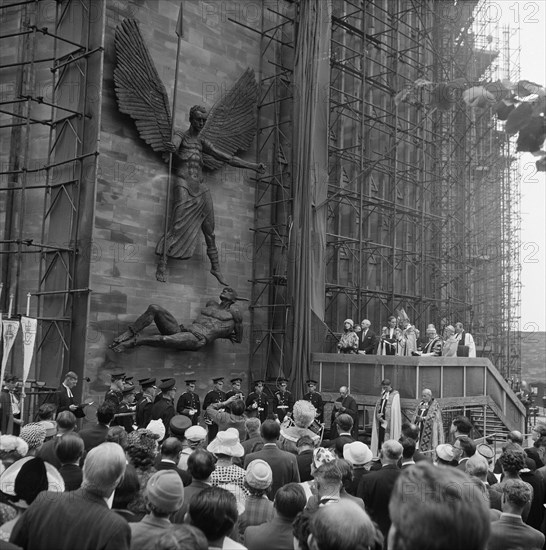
pixel 531 17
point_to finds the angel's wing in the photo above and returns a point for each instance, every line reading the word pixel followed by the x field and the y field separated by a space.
pixel 139 90
pixel 231 124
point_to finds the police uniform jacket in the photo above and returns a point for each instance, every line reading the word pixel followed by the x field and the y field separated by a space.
pixel 144 411
pixel 262 411
pixel 189 400
pixel 284 403
pixel 316 400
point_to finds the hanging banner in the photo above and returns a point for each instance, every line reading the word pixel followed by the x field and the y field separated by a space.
pixel 10 329
pixel 28 326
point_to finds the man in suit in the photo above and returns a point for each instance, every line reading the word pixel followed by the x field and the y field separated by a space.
pixel 441 506
pixel 477 466
pixel 304 457
pixel 171 448
pixel 189 404
pixel 344 425
pixel 375 488
pixel 64 398
pixel 216 395
pixel 96 434
pixel 277 534
pixel 283 464
pixel 201 464
pixel 66 423
pixel 315 398
pixel 79 519
pixel 367 339
pixel 509 531
pixel 344 404
pixel 345 525
pixel 466 448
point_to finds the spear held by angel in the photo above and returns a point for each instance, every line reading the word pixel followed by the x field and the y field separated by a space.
pixel 210 142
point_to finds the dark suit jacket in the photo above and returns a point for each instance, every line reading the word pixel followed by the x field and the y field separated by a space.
pixel 537 511
pixel 65 521
pixel 532 452
pixel 511 532
pixel 72 476
pixel 304 460
pixel 94 436
pixel 351 407
pixel 273 535
pixel 495 499
pixel 375 490
pixel 339 442
pixel 283 465
pixel 192 489
pixel 368 343
pixel 184 476
pixel 63 402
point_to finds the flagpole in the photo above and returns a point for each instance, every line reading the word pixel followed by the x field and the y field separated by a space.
pixel 179 33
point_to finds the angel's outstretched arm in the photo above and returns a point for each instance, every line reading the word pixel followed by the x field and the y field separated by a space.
pixel 232 160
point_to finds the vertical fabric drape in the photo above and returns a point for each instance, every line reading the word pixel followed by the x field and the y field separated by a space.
pixel 307 241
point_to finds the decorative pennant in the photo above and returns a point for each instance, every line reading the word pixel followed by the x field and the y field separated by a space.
pixel 10 332
pixel 28 327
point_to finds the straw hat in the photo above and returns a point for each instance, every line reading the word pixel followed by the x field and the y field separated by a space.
pixel 357 453
pixel 227 443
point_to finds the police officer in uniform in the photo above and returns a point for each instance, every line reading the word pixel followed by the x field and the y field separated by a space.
pixel 163 409
pixel 284 401
pixel 216 395
pixel 315 398
pixel 115 394
pixel 257 404
pixel 126 411
pixel 235 388
pixel 146 402
pixel 189 404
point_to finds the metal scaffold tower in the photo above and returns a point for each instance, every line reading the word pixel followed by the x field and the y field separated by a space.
pixel 273 199
pixel 51 57
pixel 423 201
pixel 382 165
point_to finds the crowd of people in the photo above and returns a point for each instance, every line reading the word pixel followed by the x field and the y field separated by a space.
pixel 264 484
pixel 400 337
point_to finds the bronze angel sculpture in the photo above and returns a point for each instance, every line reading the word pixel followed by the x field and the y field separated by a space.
pixel 211 140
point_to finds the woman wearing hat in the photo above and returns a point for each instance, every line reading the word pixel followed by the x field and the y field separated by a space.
pixel 304 415
pixel 225 447
pixel 22 482
pixel 348 343
pixel 258 508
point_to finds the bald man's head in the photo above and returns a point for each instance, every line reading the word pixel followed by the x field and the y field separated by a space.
pixel 344 526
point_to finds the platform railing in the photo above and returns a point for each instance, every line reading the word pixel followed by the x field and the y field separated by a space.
pixel 456 382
